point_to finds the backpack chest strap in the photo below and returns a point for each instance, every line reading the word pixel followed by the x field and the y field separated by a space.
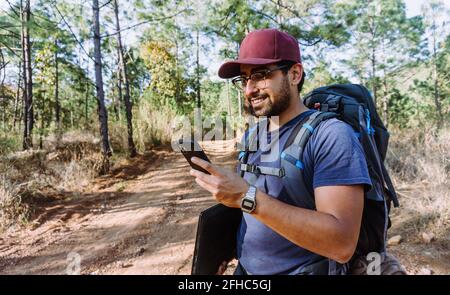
pixel 262 170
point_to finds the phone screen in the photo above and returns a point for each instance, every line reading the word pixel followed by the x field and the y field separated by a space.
pixel 191 149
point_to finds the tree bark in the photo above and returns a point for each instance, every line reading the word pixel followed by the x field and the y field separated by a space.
pixel 228 100
pixel 57 103
pixel 239 104
pixel 385 100
pixel 177 85
pixel 86 104
pixel 16 102
pixel 119 97
pixel 102 112
pixel 373 59
pixel 199 104
pixel 126 97
pixel 437 101
pixel 40 116
pixel 28 80
pixel 374 78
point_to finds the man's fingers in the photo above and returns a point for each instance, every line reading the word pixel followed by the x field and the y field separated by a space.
pixel 203 176
pixel 205 165
pixel 207 186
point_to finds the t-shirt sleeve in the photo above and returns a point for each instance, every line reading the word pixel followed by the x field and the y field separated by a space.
pixel 338 156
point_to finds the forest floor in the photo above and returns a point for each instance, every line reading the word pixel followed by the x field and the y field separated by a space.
pixel 142 219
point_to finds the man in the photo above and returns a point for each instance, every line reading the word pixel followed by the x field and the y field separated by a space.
pixel 280 234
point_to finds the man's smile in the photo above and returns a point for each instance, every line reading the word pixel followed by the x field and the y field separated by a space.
pixel 256 101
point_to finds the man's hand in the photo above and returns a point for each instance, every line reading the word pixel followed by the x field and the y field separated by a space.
pixel 226 187
pixel 222 268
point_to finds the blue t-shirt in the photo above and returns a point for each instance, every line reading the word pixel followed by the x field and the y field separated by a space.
pixel 332 156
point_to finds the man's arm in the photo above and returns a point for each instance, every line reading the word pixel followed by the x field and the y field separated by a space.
pixel 331 231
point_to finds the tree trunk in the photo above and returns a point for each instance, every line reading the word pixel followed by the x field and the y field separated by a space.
pixel 373 59
pixel 28 80
pixel 57 103
pixel 41 129
pixel 239 104
pixel 16 102
pixel 86 104
pixel 24 76
pixel 437 101
pixel 374 78
pixel 102 112
pixel 228 100
pixel 177 85
pixel 385 102
pixel 199 104
pixel 118 98
pixel 126 98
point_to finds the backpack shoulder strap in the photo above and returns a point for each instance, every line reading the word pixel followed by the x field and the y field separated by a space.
pixel 250 145
pixel 292 159
pixel 295 145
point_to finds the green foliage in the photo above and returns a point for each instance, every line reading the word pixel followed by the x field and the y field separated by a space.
pixel 321 76
pixel 401 109
pixel 382 36
pixel 211 99
pixel 360 41
pixel 9 143
pixel 169 85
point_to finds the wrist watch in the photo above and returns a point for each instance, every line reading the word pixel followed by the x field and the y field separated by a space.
pixel 248 203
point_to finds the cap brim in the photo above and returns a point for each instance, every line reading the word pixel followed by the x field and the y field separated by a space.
pixel 233 68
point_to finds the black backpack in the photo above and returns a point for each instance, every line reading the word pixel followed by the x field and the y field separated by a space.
pixel 352 104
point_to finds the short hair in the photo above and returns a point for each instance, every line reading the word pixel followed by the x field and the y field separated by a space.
pixel 289 65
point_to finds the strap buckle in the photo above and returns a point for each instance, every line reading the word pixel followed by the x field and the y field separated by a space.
pixel 250 168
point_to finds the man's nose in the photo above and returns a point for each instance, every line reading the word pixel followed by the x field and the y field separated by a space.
pixel 250 88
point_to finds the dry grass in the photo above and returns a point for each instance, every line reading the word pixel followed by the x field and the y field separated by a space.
pixel 151 127
pixel 154 126
pixel 420 167
pixel 12 209
pixel 28 178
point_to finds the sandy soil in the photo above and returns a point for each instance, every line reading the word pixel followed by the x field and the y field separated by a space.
pixel 141 219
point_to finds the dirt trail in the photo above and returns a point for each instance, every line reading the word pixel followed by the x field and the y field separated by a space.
pixel 140 219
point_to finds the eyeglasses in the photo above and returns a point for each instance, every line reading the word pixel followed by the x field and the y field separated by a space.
pixel 259 78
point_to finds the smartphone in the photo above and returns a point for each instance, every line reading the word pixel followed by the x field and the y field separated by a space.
pixel 191 149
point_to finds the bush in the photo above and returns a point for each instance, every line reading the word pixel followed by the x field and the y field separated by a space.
pixel 9 143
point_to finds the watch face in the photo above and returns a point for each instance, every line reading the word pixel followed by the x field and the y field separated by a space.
pixel 246 204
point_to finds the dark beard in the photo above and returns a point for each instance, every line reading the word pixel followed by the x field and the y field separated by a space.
pixel 272 108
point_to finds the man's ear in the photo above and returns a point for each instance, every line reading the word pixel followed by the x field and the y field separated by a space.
pixel 296 73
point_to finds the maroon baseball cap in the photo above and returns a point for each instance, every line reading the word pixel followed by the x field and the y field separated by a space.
pixel 262 47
